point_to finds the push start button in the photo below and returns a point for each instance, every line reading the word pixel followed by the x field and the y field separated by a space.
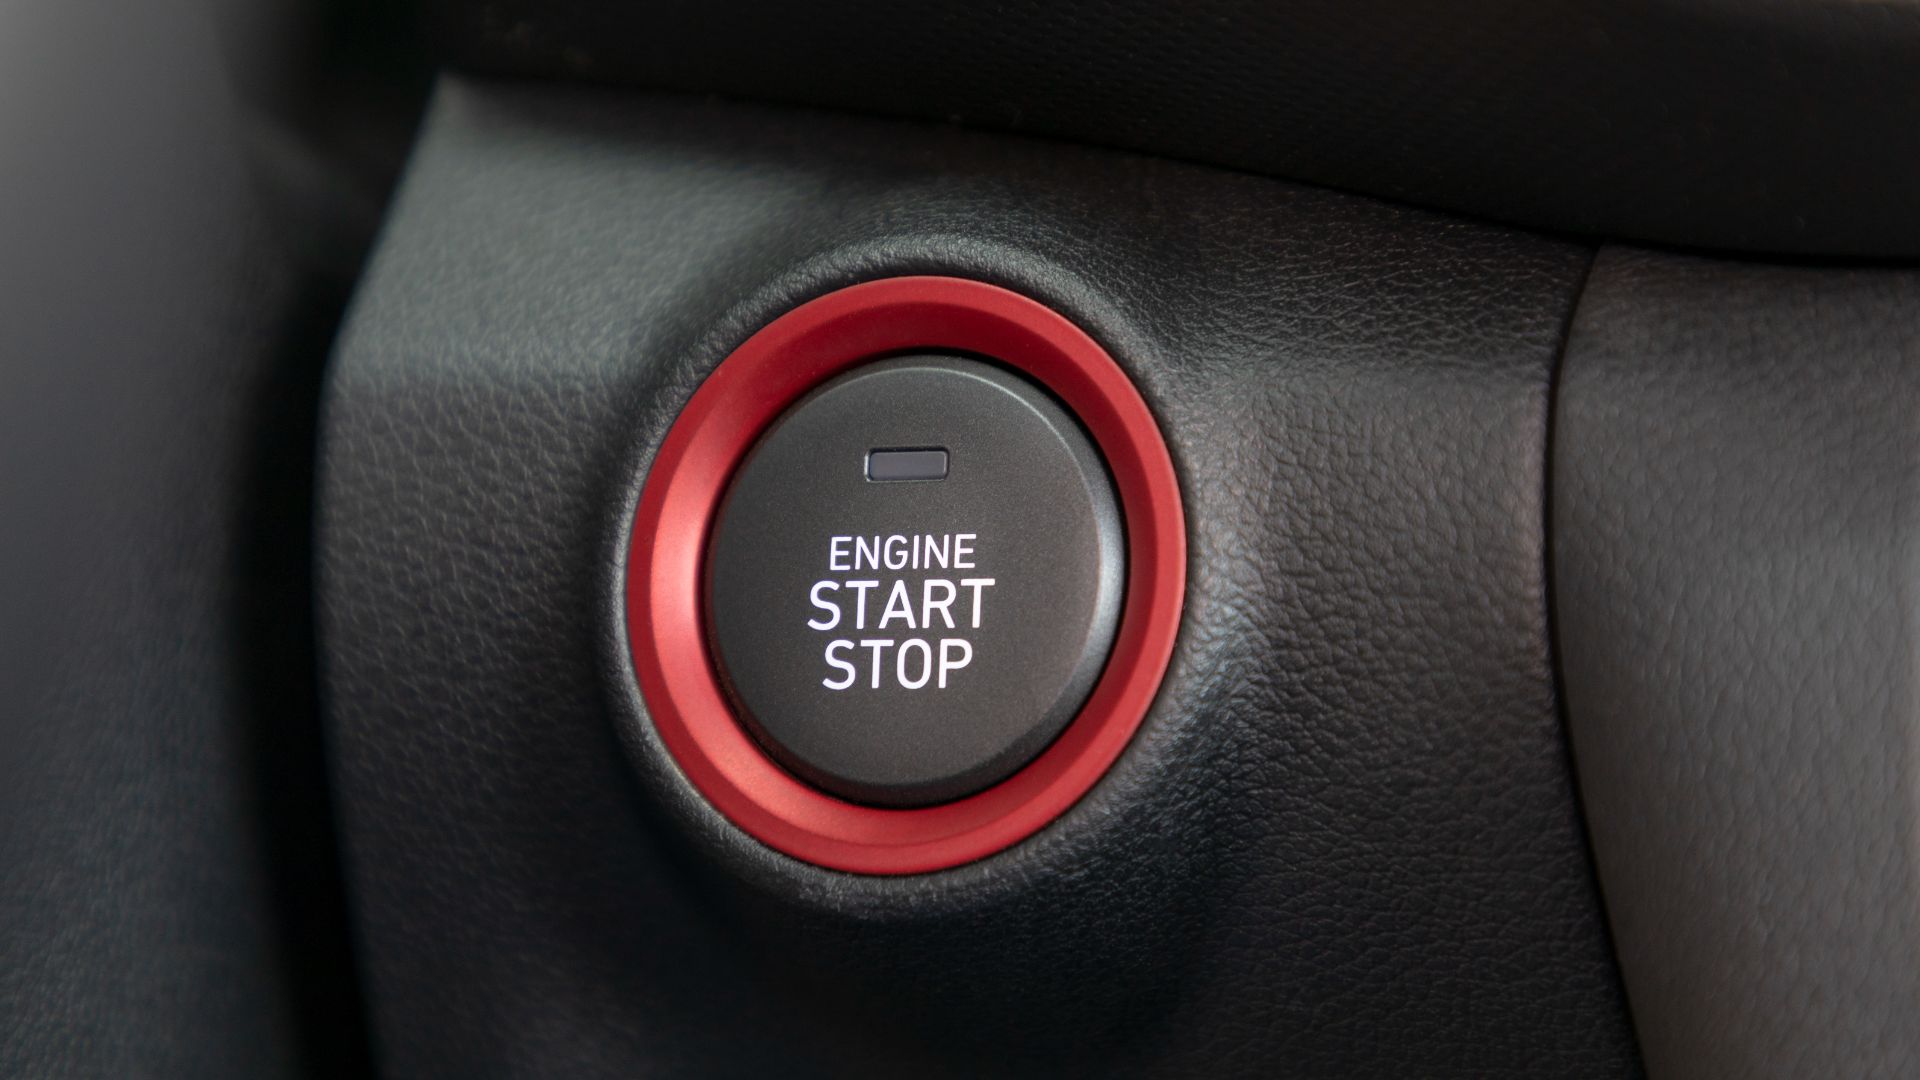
pixel 915 579
pixel 784 482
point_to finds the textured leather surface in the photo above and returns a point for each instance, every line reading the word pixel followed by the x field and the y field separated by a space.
pixel 169 901
pixel 1345 841
pixel 1737 471
pixel 1778 125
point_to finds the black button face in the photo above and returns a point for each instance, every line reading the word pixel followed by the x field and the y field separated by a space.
pixel 914 580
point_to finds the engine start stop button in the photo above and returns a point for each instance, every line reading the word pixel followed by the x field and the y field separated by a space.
pixel 915 579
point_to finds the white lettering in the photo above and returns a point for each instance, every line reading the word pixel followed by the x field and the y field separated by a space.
pixel 898 606
pixel 832 609
pixel 841 665
pixel 901 551
pixel 916 663
pixel 878 646
pixel 928 605
pixel 860 601
pixel 894 549
pixel 948 648
pixel 926 663
pixel 976 584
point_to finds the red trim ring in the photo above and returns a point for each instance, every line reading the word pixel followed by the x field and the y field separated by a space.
pixel 753 386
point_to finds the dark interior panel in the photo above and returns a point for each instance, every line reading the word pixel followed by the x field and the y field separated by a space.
pixel 1736 475
pixel 170 903
pixel 1346 841
pixel 1766 125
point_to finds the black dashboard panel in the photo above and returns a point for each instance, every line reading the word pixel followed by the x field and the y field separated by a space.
pixel 170 903
pixel 1737 471
pixel 1346 839
pixel 1768 125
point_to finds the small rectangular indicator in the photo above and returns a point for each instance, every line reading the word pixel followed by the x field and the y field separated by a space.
pixel 887 465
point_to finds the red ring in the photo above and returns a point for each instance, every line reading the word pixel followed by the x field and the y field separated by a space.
pixel 770 371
